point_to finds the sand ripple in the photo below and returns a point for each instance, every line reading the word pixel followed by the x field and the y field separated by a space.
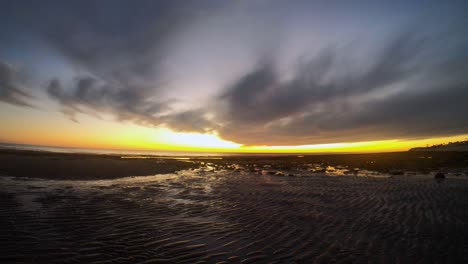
pixel 229 217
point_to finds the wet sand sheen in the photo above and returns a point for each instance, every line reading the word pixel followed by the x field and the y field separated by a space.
pixel 229 217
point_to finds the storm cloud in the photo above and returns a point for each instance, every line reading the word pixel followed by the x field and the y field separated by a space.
pixel 411 89
pixel 116 53
pixel 93 97
pixel 262 73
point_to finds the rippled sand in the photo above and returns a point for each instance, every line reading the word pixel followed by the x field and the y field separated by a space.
pixel 234 217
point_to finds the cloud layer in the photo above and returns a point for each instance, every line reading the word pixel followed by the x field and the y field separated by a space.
pixel 411 89
pixel 316 77
pixel 11 87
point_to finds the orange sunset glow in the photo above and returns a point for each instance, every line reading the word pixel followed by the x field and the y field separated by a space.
pixel 91 132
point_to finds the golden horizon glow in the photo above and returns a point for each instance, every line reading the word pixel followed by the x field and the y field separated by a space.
pixel 48 128
pixel 167 140
pixel 193 140
pixel 213 143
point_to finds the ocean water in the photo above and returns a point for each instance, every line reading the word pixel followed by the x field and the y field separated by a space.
pixel 106 151
pixel 135 152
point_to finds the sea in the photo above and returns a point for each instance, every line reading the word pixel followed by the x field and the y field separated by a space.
pixel 136 152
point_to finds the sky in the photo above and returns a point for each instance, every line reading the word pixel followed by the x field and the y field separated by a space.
pixel 237 76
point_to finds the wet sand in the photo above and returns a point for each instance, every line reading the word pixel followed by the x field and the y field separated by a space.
pixel 233 213
pixel 70 166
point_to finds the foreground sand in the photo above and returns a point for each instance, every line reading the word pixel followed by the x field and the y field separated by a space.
pixel 70 166
pixel 236 216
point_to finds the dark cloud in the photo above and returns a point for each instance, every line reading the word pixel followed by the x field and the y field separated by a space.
pixel 12 87
pixel 190 121
pixel 412 89
pixel 89 95
pixel 118 46
pixel 262 96
pixel 112 39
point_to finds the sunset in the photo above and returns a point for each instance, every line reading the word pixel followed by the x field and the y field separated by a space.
pixel 41 127
pixel 239 131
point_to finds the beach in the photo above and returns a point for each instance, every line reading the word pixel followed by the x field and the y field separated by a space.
pixel 232 209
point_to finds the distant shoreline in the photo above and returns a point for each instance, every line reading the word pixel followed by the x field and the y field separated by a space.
pixel 451 146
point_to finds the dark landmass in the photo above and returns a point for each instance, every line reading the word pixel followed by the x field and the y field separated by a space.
pixel 451 146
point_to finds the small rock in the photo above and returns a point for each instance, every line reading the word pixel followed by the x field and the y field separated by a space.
pixel 439 175
pixel 396 172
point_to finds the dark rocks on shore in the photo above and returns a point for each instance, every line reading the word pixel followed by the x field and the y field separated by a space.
pixel 439 175
pixel 396 172
pixel 347 172
pixel 319 170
